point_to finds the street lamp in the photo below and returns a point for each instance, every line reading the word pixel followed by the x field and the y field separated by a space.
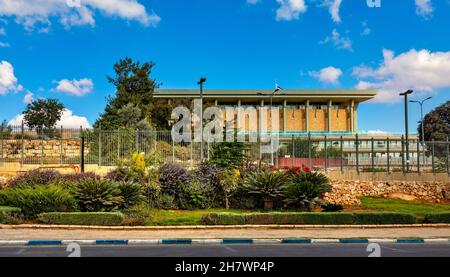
pixel 405 94
pixel 277 89
pixel 421 115
pixel 200 83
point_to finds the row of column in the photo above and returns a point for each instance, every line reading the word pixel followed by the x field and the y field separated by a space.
pixel 352 105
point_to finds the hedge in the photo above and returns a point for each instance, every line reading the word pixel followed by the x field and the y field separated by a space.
pixel 309 218
pixel 79 218
pixel 437 217
pixel 10 215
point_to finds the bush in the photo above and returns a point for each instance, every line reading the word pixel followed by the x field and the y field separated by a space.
pixel 131 193
pixel 309 218
pixel 40 199
pixel 437 217
pixel 79 177
pixel 96 219
pixel 267 185
pixel 97 196
pixel 228 155
pixel 137 216
pixel 172 178
pixel 124 174
pixel 306 189
pixel 10 215
pixel 34 178
pixel 330 207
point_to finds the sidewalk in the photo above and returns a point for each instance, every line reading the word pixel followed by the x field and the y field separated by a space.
pixel 17 233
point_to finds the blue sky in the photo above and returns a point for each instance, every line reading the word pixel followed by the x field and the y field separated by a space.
pixel 50 49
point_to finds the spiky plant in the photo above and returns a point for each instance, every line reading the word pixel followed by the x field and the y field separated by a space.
pixel 267 185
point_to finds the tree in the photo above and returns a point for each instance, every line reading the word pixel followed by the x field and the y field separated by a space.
pixel 228 155
pixel 436 124
pixel 42 114
pixel 133 86
pixel 437 128
pixel 5 130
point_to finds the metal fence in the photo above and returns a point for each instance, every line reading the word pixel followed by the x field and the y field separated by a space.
pixel 109 148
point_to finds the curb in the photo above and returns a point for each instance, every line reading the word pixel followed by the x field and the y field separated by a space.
pixel 226 241
pixel 217 227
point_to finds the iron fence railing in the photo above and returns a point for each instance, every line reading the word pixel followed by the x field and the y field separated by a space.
pixel 62 146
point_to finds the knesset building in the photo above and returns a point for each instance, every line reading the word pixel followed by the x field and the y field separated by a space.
pixel 301 112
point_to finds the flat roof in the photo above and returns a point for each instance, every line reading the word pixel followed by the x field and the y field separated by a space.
pixel 255 94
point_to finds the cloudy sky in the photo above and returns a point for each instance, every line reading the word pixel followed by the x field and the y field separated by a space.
pixel 65 48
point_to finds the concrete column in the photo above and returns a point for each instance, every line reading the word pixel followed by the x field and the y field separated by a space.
pixel 329 115
pixel 284 114
pixel 239 104
pixel 261 105
pixel 307 115
pixel 216 102
pixel 355 118
pixel 352 107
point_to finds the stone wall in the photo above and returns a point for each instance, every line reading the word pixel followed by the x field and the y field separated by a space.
pixel 347 192
pixel 11 150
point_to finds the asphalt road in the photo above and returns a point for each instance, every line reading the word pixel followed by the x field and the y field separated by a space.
pixel 308 250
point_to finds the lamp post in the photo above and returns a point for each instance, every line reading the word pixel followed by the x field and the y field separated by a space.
pixel 420 102
pixel 405 94
pixel 277 89
pixel 200 83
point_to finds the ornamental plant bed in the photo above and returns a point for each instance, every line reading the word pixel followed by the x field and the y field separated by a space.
pixel 79 218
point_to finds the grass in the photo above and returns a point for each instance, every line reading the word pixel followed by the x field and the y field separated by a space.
pixel 397 205
pixel 179 217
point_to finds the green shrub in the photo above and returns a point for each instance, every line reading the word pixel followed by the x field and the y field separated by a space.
pixel 228 155
pixel 97 219
pixel 266 185
pixel 437 217
pixel 309 218
pixel 172 177
pixel 131 193
pixel 306 189
pixel 97 196
pixel 33 201
pixel 330 207
pixel 10 215
pixel 137 216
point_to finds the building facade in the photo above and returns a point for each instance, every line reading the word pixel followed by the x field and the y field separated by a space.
pixel 316 112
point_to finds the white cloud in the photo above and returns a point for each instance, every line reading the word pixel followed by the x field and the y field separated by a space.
pixel 2 31
pixel 28 98
pixel 68 120
pixel 424 8
pixel 366 30
pixel 328 75
pixel 333 7
pixel 340 42
pixel 290 9
pixel 75 87
pixel 253 2
pixel 31 13
pixel 422 71
pixel 8 81
pixel 4 44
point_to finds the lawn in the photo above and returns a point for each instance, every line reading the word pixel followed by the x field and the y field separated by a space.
pixel 397 205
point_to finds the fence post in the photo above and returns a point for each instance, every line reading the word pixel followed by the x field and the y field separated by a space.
pixel 372 153
pixel 309 151
pixel 342 155
pixel 136 138
pixel 23 145
pixel 173 150
pixel 326 153
pixel 403 154
pixel 432 158
pixel 82 154
pixel 42 149
pixel 418 156
pixel 388 161
pixel 61 146
pixel 100 146
pixel 118 146
pixel 293 151
pixel 1 134
pixel 357 153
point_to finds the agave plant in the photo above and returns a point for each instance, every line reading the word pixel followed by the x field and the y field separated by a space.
pixel 268 185
pixel 132 194
pixel 306 189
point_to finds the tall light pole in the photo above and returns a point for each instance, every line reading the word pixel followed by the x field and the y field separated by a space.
pixel 421 115
pixel 277 89
pixel 200 83
pixel 405 94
